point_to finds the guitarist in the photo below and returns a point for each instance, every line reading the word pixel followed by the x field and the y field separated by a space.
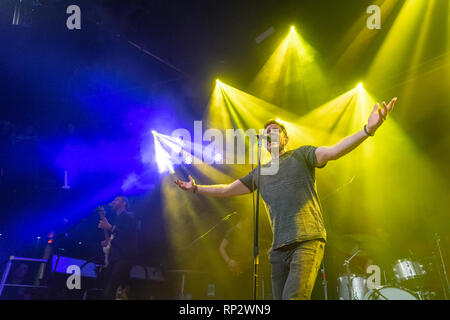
pixel 236 250
pixel 121 239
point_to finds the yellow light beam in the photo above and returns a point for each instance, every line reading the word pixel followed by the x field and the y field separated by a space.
pixel 394 54
pixel 356 42
pixel 291 76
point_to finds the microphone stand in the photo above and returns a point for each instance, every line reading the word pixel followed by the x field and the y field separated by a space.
pixel 445 290
pixel 256 222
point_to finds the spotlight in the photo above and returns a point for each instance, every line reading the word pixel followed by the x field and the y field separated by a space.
pixel 218 157
pixel 360 86
pixel 278 120
pixel 188 159
pixel 292 28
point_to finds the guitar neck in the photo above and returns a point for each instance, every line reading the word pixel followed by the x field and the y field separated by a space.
pixel 102 217
pixel 107 236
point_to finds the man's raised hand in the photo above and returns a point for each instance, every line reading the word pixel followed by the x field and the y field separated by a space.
pixel 379 115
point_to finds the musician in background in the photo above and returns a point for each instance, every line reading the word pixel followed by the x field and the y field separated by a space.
pixel 236 250
pixel 123 252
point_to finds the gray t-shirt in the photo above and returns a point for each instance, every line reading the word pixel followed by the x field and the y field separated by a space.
pixel 291 197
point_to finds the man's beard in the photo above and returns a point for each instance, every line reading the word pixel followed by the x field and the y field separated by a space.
pixel 277 147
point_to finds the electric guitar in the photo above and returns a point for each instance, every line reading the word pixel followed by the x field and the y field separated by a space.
pixel 108 237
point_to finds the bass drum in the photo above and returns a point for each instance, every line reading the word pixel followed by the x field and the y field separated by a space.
pixel 390 293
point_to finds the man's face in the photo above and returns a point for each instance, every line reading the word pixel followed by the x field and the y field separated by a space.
pixel 278 139
pixel 117 204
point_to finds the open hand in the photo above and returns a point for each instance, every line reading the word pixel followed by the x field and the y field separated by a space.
pixel 379 115
pixel 186 185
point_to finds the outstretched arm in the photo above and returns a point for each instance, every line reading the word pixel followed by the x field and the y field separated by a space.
pixel 376 118
pixel 223 250
pixel 236 188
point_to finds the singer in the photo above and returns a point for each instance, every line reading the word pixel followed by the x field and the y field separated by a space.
pixel 291 198
pixel 123 246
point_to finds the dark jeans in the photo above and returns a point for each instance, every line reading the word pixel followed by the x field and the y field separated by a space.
pixel 294 269
pixel 117 273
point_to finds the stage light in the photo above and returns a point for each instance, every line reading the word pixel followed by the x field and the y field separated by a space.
pixel 278 119
pixel 168 150
pixel 218 157
pixel 360 86
pixel 162 157
pixel 188 159
pixel 291 76
pixel 232 108
pixel 39 238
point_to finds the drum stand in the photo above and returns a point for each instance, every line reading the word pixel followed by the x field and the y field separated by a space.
pixel 379 293
pixel 438 241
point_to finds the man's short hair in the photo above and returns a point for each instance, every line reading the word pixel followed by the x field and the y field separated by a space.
pixel 125 199
pixel 273 121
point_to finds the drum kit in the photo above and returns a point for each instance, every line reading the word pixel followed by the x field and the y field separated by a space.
pixel 355 286
pixel 404 281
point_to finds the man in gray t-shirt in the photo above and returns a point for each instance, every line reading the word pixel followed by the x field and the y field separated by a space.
pixel 292 202
pixel 291 197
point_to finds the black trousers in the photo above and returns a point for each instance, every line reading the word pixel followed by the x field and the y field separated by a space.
pixel 117 273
